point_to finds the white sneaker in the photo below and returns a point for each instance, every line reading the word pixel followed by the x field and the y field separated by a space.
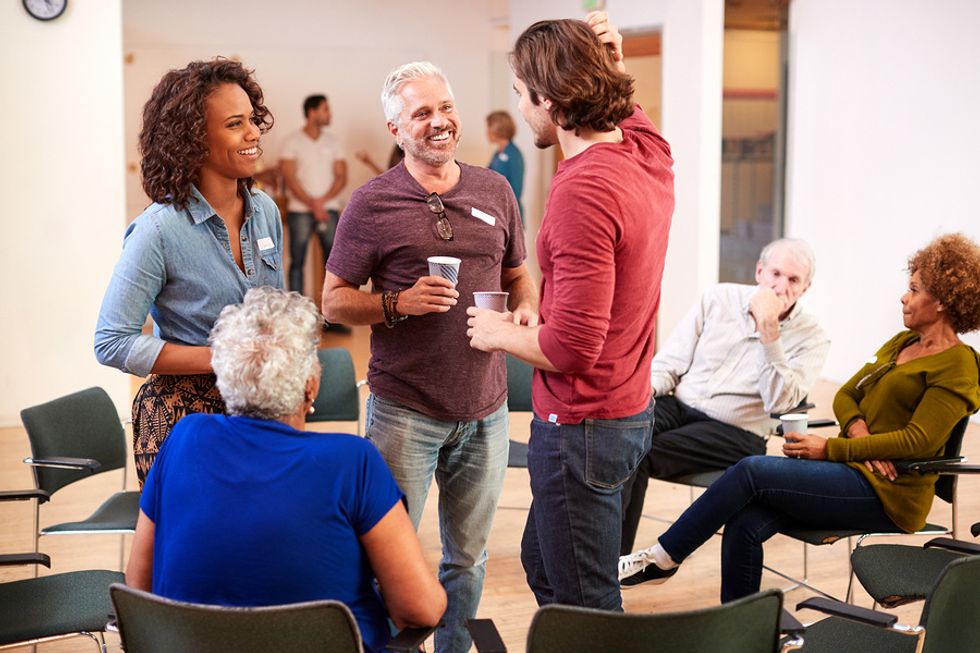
pixel 633 563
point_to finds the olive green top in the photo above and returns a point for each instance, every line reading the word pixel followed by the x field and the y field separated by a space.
pixel 910 410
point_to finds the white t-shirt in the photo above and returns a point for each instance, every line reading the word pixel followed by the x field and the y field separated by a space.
pixel 314 165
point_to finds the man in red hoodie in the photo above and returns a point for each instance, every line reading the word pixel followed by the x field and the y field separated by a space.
pixel 601 248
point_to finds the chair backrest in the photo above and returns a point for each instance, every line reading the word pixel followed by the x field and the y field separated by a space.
pixel 748 625
pixel 153 624
pixel 950 613
pixel 337 400
pixel 83 424
pixel 519 376
pixel 946 485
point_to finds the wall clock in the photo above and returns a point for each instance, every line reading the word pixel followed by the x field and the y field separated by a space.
pixel 45 9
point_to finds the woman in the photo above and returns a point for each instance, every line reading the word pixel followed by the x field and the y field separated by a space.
pixel 900 406
pixel 288 515
pixel 207 238
pixel 507 159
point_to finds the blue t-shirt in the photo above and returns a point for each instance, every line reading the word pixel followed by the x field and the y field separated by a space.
pixel 510 163
pixel 253 512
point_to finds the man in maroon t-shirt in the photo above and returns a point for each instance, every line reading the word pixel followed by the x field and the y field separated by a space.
pixel 602 245
pixel 437 406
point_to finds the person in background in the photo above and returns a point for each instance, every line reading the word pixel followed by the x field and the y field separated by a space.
pixel 437 408
pixel 507 159
pixel 206 239
pixel 740 354
pixel 315 172
pixel 601 247
pixel 901 405
pixel 289 515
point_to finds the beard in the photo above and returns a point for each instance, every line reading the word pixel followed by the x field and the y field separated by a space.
pixel 433 156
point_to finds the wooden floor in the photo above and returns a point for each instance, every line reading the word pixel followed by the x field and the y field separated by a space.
pixel 506 597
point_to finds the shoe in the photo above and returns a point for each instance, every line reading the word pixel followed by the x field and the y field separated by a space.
pixel 644 570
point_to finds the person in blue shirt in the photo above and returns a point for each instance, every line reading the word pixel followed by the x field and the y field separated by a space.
pixel 248 509
pixel 507 159
pixel 205 240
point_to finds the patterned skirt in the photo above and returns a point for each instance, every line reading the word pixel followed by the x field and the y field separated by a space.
pixel 160 403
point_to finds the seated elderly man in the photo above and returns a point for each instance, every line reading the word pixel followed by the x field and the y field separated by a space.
pixel 742 353
pixel 249 509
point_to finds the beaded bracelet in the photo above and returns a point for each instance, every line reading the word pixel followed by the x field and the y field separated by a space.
pixel 389 305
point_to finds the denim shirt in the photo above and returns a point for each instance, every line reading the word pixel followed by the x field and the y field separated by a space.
pixel 177 265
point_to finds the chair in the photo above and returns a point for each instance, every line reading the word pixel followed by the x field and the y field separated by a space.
pixel 338 399
pixel 75 437
pixel 49 608
pixel 153 624
pixel 519 375
pixel 948 623
pixel 748 625
pixel 945 490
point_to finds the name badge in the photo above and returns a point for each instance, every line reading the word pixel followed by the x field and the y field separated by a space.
pixel 480 215
pixel 265 243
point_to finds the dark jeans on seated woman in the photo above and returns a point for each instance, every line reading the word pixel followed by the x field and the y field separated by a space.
pixel 759 496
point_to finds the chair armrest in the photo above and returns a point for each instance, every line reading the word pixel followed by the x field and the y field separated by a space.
pixel 937 466
pixel 848 611
pixel 89 465
pixel 10 559
pixel 408 640
pixel 24 495
pixel 799 408
pixel 486 636
pixel 975 530
pixel 790 625
pixel 959 546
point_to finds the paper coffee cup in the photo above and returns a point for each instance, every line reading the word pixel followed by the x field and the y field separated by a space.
pixel 495 301
pixel 794 422
pixel 446 267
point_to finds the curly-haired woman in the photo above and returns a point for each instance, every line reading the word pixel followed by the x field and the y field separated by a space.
pixel 900 405
pixel 207 238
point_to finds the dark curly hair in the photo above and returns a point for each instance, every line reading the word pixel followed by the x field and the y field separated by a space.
pixel 173 141
pixel 949 267
pixel 564 61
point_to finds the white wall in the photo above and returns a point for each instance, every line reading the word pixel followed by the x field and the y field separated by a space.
pixel 884 152
pixel 691 116
pixel 62 184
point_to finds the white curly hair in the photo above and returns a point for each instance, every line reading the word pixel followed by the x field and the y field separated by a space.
pixel 264 350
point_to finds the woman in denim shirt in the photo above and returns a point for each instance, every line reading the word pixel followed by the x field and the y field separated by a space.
pixel 207 238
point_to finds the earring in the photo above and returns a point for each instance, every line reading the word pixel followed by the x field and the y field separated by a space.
pixel 311 409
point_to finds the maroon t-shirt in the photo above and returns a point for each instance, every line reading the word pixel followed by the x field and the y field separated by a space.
pixel 602 245
pixel 386 234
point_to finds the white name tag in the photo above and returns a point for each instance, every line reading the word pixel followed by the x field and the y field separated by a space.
pixel 486 217
pixel 265 243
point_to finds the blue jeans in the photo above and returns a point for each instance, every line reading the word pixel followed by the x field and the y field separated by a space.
pixel 468 460
pixel 570 547
pixel 302 226
pixel 761 495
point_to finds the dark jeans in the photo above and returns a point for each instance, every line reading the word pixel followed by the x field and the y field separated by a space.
pixel 685 441
pixel 761 495
pixel 570 548
pixel 302 226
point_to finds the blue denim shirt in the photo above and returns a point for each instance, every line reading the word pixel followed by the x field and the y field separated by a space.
pixel 177 265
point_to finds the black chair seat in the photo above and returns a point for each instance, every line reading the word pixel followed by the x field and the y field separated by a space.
pixel 896 574
pixel 59 604
pixel 518 454
pixel 699 479
pixel 117 514
pixel 837 635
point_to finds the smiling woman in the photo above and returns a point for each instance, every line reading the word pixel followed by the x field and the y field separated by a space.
pixel 207 238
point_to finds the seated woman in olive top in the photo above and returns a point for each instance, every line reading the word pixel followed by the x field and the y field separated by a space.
pixel 902 405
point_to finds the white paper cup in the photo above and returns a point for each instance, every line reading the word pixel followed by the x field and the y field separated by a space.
pixel 495 301
pixel 446 267
pixel 794 422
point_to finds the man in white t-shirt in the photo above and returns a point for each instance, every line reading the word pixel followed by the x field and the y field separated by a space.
pixel 315 172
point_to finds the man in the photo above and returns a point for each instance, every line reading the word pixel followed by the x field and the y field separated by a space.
pixel 437 407
pixel 742 353
pixel 315 172
pixel 601 247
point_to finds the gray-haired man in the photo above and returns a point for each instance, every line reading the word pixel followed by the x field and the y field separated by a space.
pixel 437 406
pixel 740 354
